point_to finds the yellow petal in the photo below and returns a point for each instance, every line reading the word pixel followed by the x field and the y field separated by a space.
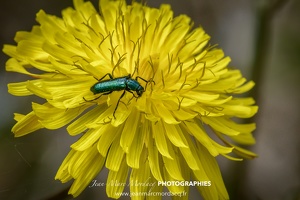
pixel 115 157
pixel 32 49
pixel 154 161
pixel 50 25
pixel 116 180
pixel 58 52
pixel 69 69
pixel 183 115
pixel 216 124
pixel 13 65
pixel 201 96
pixel 244 138
pixel 174 189
pixel 244 152
pixel 245 88
pixel 189 154
pixel 107 139
pixel 232 158
pixel 84 170
pixel 54 118
pixel 172 166
pixel 26 124
pixel 133 156
pixel 160 139
pixel 140 180
pixel 201 136
pixel 62 173
pixel 89 138
pixel 38 90
pixel 239 110
pixel 19 89
pixel 217 189
pixel 165 114
pixel 222 149
pixel 175 135
pixel 241 128
pixel 129 130
pixel 79 125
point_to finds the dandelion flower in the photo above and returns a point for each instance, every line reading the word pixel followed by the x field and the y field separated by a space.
pixel 167 133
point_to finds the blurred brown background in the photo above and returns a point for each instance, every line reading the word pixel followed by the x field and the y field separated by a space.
pixel 252 32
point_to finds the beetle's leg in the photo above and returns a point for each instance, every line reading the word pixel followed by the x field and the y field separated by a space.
pixel 92 99
pixel 108 74
pixel 132 94
pixel 141 79
pixel 97 97
pixel 118 103
pixel 151 80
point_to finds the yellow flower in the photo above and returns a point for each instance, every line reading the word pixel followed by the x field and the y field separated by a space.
pixel 166 134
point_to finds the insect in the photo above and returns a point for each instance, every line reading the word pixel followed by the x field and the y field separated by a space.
pixel 125 83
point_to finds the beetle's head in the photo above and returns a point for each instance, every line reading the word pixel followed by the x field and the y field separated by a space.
pixel 140 91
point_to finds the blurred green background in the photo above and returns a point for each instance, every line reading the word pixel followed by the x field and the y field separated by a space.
pixel 262 37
